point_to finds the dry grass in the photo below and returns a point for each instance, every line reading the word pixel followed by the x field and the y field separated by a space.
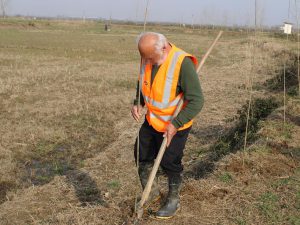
pixel 66 157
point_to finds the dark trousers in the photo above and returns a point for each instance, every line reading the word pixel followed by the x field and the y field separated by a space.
pixel 149 145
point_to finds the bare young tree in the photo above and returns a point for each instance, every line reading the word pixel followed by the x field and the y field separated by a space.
pixel 3 7
pixel 260 14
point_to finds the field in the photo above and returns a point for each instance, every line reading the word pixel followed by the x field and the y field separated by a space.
pixel 66 150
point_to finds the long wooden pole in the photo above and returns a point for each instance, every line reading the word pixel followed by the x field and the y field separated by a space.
pixel 162 149
pixel 298 46
pixel 145 18
pixel 208 52
pixel 138 106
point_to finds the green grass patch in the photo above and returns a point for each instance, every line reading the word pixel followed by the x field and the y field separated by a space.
pixel 268 205
pixel 226 177
pixel 281 182
pixel 294 220
pixel 240 221
pixel 114 184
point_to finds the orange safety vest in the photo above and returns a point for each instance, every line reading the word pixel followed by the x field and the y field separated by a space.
pixel 160 97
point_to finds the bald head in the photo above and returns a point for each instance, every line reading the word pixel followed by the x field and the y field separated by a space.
pixel 147 44
pixel 152 46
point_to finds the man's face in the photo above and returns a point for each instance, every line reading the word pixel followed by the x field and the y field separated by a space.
pixel 153 56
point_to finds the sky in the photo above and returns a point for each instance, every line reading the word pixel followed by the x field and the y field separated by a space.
pixel 218 12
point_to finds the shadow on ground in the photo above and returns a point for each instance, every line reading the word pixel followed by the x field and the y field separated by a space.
pixel 233 138
pixel 85 187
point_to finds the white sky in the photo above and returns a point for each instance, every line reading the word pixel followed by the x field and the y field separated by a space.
pixel 223 12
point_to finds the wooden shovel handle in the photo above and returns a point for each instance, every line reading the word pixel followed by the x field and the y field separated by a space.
pixel 208 52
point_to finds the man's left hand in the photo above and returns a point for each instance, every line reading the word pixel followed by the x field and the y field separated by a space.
pixel 170 132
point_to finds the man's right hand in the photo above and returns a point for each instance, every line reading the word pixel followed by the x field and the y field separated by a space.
pixel 136 112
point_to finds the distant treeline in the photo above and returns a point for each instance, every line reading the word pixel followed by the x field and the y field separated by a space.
pixel 273 29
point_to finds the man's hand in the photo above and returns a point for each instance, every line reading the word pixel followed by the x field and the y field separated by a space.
pixel 136 112
pixel 170 132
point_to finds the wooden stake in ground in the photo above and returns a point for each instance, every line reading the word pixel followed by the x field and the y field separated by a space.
pixel 298 45
pixel 145 18
pixel 251 82
pixel 162 149
pixel 284 94
pixel 284 73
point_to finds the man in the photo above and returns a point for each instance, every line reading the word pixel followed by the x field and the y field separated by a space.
pixel 167 74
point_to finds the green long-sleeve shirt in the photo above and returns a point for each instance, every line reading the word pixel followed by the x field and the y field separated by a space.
pixel 189 84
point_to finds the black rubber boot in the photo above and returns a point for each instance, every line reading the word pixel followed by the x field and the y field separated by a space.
pixel 144 172
pixel 171 206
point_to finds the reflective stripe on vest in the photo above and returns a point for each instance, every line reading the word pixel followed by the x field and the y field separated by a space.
pixel 170 76
pixel 162 105
pixel 164 118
